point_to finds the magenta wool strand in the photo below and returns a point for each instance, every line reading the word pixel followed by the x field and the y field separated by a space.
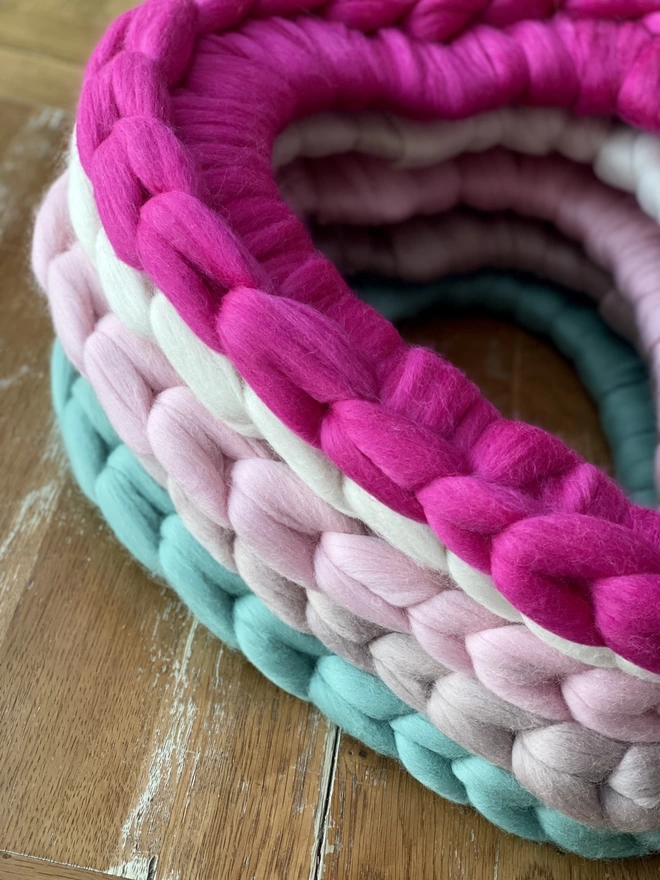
pixel 199 212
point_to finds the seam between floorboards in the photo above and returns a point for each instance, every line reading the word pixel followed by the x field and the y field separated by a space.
pixel 68 866
pixel 329 774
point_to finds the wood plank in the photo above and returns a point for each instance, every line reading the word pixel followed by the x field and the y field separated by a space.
pixel 66 30
pixel 13 867
pixel 39 80
pixel 119 716
pixel 45 44
pixel 31 141
pixel 250 802
pixel 124 724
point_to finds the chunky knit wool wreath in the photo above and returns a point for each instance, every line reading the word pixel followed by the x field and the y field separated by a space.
pixel 142 517
pixel 181 106
pixel 320 573
pixel 402 533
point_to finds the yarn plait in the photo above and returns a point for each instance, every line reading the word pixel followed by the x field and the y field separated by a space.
pixel 428 20
pixel 355 463
pixel 289 542
pixel 141 516
pixel 621 563
pixel 325 418
pixel 431 20
pixel 69 320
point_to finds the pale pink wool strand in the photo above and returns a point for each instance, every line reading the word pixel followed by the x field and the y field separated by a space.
pixel 426 248
pixel 256 516
pixel 217 239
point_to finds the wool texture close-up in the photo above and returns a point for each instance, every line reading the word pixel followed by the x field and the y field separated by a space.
pixel 256 517
pixel 142 517
pixel 263 213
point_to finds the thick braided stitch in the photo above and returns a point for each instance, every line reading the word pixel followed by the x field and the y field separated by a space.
pixel 561 541
pixel 141 515
pixel 433 20
pixel 400 532
pixel 257 518
pixel 544 199
pixel 611 370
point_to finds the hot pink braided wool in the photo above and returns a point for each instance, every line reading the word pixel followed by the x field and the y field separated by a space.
pixel 256 517
pixel 199 212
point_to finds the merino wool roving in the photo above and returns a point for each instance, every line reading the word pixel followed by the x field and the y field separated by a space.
pixel 459 590
pixel 321 573
pixel 232 402
pixel 181 107
pixel 141 515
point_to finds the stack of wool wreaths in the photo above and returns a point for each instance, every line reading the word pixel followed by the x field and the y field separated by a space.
pixel 458 590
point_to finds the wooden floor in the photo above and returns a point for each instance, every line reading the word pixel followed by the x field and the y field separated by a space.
pixel 131 742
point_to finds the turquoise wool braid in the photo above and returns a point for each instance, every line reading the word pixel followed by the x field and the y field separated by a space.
pixel 142 517
pixel 609 368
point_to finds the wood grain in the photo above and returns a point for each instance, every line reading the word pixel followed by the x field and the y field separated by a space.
pixel 14 867
pixel 28 77
pixel 133 743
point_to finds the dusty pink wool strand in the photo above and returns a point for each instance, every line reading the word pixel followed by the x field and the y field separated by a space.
pixel 199 212
pixel 352 189
pixel 256 517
